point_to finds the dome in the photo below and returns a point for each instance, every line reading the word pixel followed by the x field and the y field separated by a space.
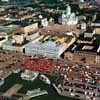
pixel 72 15
pixel 40 16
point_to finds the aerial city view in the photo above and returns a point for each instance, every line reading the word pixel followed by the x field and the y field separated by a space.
pixel 49 49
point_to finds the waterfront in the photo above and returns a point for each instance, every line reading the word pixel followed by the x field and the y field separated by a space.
pixel 15 78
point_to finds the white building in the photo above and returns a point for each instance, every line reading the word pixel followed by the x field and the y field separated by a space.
pixel 44 22
pixel 1 81
pixel 83 26
pixel 7 45
pixel 48 48
pixel 29 75
pixel 19 39
pixel 68 17
pixel 31 28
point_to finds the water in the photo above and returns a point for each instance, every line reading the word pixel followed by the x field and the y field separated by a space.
pixel 52 95
pixel 28 85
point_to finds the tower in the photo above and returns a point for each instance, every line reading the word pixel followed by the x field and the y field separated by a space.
pixel 68 10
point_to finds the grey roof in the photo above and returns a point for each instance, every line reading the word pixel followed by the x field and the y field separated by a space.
pixel 8 29
pixel 48 47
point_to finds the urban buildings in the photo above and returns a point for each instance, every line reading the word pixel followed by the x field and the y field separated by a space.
pixel 17 2
pixel 63 44
pixel 21 37
pixel 13 14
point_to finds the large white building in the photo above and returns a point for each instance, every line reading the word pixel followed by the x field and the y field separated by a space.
pixel 48 48
pixel 68 17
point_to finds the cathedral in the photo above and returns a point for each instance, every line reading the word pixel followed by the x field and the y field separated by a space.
pixel 68 17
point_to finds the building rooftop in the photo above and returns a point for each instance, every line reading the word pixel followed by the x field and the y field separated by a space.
pixel 87 47
pixel 97 20
pixel 89 30
pixel 48 48
pixel 8 29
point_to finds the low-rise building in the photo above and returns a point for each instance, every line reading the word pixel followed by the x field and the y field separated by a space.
pixel 20 37
pixel 30 28
pixel 5 31
pixel 29 75
pixel 96 30
pixel 85 57
pixel 96 23
pixel 89 33
pixel 32 36
pixel 84 51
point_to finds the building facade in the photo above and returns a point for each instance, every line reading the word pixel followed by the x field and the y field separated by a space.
pixel 89 58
